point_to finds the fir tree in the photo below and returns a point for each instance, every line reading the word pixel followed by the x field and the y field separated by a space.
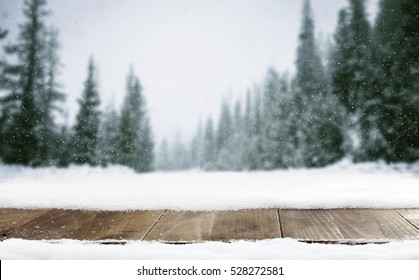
pixel 319 140
pixel 49 102
pixel 255 142
pixel 135 143
pixel 197 150
pixel 231 155
pixel 109 137
pixel 145 148
pixel 397 67
pixel 163 157
pixel 270 144
pixel 248 121
pixel 225 127
pixel 340 68
pixel 25 81
pixel 209 146
pixel 310 72
pixel 86 129
pixel 364 96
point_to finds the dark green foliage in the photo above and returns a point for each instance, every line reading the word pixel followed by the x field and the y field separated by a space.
pixel 144 162
pixel 270 127
pixel 135 143
pixel 48 103
pixel 209 146
pixel 340 68
pixel 109 138
pixel 225 127
pixel 397 55
pixel 86 130
pixel 26 122
pixel 310 74
pixel 319 138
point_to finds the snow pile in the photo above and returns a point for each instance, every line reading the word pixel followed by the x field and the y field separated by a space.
pixel 343 185
pixel 263 250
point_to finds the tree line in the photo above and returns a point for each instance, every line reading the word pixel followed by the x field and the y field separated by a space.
pixel 32 105
pixel 361 101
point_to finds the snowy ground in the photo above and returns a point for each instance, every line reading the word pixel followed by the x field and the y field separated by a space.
pixel 339 186
pixel 342 185
pixel 269 249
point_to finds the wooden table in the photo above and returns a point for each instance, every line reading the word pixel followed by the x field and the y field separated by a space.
pixel 348 226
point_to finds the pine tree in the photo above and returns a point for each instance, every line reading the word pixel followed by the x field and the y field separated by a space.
pixel 109 137
pixel 86 130
pixel 310 74
pixel 248 121
pixel 136 145
pixel 320 139
pixel 180 157
pixel 255 142
pixel 231 155
pixel 197 150
pixel 397 54
pixel 209 146
pixel 270 144
pixel 49 102
pixel 163 157
pixel 225 127
pixel 64 147
pixel 364 96
pixel 340 68
pixel 25 83
pixel 145 148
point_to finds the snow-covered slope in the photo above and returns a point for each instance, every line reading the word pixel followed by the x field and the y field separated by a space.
pixel 116 188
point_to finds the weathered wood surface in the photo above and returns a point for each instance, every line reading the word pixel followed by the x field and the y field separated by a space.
pixel 216 226
pixel 309 225
pixel 411 215
pixel 89 225
pixel 11 219
pixel 361 224
pixel 340 226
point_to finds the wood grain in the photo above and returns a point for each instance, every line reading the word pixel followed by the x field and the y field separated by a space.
pixel 309 225
pixel 370 225
pixel 344 225
pixel 11 219
pixel 216 226
pixel 83 225
pixel 412 215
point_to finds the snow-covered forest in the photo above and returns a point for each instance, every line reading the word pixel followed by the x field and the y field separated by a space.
pixel 34 128
pixel 359 100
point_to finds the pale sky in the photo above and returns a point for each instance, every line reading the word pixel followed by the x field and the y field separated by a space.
pixel 189 54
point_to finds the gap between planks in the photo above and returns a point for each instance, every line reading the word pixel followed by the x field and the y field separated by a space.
pixel 281 232
pixel 155 223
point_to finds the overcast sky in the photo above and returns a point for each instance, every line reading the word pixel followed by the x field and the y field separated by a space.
pixel 189 54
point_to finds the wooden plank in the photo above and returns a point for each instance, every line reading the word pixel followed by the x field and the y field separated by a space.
pixel 412 215
pixel 216 226
pixel 92 225
pixel 371 225
pixel 11 219
pixel 309 225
